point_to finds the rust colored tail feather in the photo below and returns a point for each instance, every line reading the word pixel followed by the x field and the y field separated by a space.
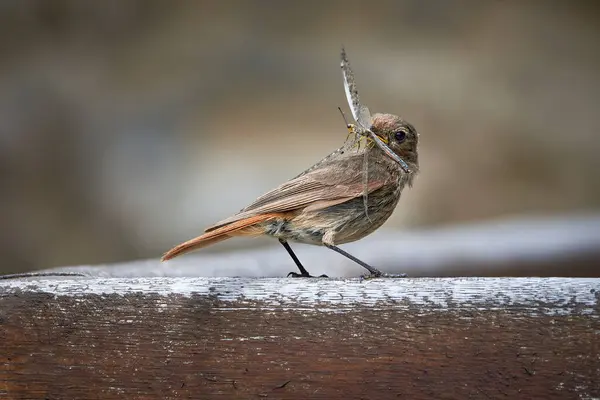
pixel 238 228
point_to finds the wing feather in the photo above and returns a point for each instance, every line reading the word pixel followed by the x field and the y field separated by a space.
pixel 317 189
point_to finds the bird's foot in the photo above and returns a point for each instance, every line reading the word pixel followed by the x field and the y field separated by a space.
pixel 307 275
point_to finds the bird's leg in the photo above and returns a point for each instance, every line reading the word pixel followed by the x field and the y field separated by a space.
pixel 375 273
pixel 303 272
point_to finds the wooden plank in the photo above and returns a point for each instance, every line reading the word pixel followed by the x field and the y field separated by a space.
pixel 300 338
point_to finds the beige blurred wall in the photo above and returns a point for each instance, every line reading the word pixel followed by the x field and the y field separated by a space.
pixel 126 126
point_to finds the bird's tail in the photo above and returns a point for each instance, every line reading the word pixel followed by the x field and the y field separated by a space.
pixel 247 226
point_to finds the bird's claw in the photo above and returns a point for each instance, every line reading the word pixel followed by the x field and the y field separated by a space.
pixel 297 275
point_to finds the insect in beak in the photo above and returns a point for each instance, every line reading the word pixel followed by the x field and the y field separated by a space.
pixel 361 114
pixel 383 146
pixel 382 138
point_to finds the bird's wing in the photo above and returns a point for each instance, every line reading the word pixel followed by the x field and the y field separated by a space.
pixel 329 184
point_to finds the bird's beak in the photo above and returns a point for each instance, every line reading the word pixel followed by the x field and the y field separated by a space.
pixel 383 138
pixel 384 146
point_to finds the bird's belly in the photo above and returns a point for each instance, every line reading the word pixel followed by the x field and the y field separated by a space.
pixel 309 232
pixel 345 222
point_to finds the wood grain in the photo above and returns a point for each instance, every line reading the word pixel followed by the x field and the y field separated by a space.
pixel 144 338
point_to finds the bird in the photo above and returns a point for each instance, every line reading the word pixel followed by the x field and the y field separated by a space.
pixel 342 198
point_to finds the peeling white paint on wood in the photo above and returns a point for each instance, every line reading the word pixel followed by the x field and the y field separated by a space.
pixel 548 296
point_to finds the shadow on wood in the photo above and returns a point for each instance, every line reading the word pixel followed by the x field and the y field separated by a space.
pixel 299 338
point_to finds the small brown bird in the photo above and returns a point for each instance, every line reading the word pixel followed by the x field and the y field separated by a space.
pixel 331 203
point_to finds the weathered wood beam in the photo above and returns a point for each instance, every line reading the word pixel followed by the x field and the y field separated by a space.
pixel 299 338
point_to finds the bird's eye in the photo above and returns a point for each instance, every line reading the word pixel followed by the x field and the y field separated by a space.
pixel 400 136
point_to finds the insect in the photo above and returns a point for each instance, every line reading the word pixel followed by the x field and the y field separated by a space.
pixel 362 115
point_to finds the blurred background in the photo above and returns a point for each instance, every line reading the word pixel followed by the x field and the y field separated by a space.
pixel 126 127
